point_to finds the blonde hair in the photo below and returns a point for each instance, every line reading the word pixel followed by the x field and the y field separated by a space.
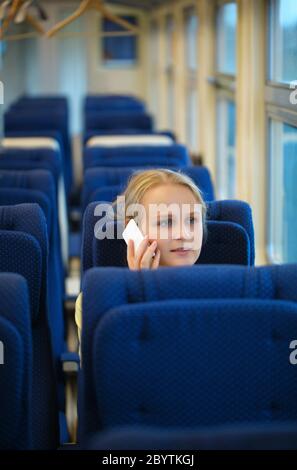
pixel 140 182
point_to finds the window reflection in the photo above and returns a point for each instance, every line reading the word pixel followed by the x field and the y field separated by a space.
pixel 226 38
pixel 226 164
pixel 283 193
pixel 283 40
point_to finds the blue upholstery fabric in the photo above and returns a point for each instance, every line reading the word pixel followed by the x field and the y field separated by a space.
pixel 29 268
pixel 39 180
pixel 115 103
pixel 238 212
pixel 13 196
pixel 227 241
pixel 93 133
pixel 42 182
pixel 56 135
pixel 175 155
pixel 188 347
pixel 97 182
pixel 29 219
pixel 116 109
pixel 32 159
pixel 96 178
pixel 50 103
pixel 99 121
pixel 38 120
pixel 41 159
pixel 104 194
pixel 272 436
pixel 42 100
pixel 16 371
pixel 88 226
pixel 24 250
pixel 45 161
pixel 34 119
pixel 38 106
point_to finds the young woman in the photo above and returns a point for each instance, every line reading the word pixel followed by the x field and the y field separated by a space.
pixel 171 215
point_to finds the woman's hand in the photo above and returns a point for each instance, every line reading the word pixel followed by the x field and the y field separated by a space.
pixel 144 257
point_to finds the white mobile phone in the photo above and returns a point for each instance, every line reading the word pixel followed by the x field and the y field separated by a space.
pixel 132 232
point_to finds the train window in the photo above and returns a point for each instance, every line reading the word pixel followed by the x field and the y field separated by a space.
pixel 226 117
pixel 282 114
pixel 282 192
pixel 3 47
pixel 119 50
pixel 226 38
pixel 283 40
pixel 226 108
pixel 191 52
pixel 169 33
pixel 154 44
pixel 191 32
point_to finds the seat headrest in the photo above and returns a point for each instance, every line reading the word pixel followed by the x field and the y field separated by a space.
pixel 29 220
pixel 21 254
pixel 196 282
pixel 16 196
pixel 225 243
pixel 126 120
pixel 25 159
pixel 98 180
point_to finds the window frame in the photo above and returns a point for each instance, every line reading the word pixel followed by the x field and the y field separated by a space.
pixel 223 95
pixel 277 108
pixel 124 64
pixel 169 68
pixel 224 85
pixel 191 75
pixel 154 70
pixel 270 16
pixel 224 77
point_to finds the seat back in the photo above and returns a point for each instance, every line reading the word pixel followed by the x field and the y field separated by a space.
pixel 226 242
pixel 105 184
pixel 270 436
pixel 43 182
pixel 38 103
pixel 44 100
pixel 175 347
pixel 13 196
pixel 36 119
pixel 239 212
pixel 28 261
pixel 113 103
pixel 32 159
pixel 16 364
pixel 18 160
pixel 115 121
pixel 43 123
pixel 170 156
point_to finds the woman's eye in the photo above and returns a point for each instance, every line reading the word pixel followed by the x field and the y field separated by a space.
pixel 165 223
pixel 192 220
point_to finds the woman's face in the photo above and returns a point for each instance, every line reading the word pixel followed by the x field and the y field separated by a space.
pixel 173 217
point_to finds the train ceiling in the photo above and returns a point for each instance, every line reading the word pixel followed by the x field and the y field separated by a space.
pixel 20 11
pixel 146 4
pixel 143 4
